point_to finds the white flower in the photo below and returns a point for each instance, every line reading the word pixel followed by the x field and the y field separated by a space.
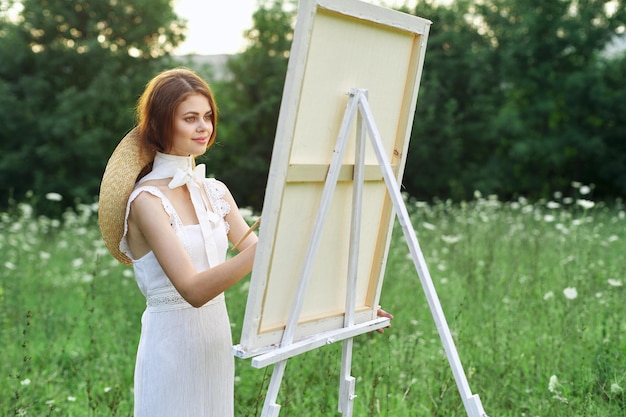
pixel 428 226
pixel 553 205
pixel 78 262
pixel 548 218
pixel 586 204
pixel 71 399
pixel 450 239
pixel 553 384
pixel 25 382
pixel 548 295
pixel 54 197
pixel 570 293
pixel 107 389
pixel 616 389
pixel 26 209
pixel 615 282
pixel 246 212
pixel 561 228
pixel 576 184
pixel 584 190
pixel 9 265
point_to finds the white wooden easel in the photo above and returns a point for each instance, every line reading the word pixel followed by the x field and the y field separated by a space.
pixel 358 105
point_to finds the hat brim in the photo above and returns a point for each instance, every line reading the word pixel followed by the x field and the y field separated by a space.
pixel 126 163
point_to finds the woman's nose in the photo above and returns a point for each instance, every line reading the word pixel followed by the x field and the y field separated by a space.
pixel 204 125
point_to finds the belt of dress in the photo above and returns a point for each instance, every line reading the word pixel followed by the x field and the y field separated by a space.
pixel 167 299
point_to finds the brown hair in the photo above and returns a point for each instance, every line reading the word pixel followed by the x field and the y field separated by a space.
pixel 157 104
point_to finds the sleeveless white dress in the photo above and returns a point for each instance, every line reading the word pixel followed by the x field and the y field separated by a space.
pixel 184 365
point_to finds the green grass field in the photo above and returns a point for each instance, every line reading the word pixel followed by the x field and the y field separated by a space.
pixel 533 293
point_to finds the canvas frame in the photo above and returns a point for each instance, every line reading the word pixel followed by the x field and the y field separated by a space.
pixel 338 46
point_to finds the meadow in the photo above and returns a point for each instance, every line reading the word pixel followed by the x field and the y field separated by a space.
pixel 533 293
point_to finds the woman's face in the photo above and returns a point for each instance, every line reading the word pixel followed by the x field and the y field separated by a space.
pixel 193 126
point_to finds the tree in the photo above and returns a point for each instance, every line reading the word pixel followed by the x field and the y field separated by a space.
pixel 69 75
pixel 547 59
pixel 457 98
pixel 510 99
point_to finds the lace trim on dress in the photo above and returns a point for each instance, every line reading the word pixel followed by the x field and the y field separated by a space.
pixel 167 299
pixel 216 192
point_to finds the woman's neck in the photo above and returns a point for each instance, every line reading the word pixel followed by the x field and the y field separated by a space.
pixel 165 166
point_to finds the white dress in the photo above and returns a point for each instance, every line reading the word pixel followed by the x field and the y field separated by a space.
pixel 184 365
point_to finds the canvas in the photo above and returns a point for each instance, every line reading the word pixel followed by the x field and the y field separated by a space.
pixel 338 46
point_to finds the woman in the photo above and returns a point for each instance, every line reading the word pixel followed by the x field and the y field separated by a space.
pixel 159 213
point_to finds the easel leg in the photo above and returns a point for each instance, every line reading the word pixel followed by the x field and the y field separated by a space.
pixel 270 408
pixel 472 403
pixel 347 382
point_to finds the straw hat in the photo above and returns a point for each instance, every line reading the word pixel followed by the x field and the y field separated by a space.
pixel 118 181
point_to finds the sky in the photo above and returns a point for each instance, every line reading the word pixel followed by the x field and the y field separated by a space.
pixel 217 26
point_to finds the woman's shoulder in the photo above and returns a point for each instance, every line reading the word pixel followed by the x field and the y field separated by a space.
pixel 146 198
pixel 161 184
pixel 216 186
pixel 148 195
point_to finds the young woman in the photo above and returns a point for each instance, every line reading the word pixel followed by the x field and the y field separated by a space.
pixel 159 213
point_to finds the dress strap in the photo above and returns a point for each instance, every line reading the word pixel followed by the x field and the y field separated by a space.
pixel 175 220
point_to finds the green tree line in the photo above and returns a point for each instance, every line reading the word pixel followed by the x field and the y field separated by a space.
pixel 519 98
pixel 516 97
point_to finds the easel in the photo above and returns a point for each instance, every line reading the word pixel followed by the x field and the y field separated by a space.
pixel 357 105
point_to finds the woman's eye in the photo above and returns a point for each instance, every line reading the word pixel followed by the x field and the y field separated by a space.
pixel 208 118
pixel 190 119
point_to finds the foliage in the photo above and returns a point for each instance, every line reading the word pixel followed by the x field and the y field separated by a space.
pixel 533 295
pixel 531 103
pixel 69 76
pixel 516 98
pixel 457 98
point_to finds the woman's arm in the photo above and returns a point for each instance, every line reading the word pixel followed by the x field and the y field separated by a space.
pixel 238 226
pixel 197 288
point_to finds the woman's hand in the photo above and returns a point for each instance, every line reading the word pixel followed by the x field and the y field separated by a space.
pixel 383 313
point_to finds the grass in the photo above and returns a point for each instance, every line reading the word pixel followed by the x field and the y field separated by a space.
pixel 533 294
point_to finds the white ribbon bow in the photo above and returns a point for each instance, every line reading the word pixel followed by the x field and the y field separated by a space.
pixel 190 178
pixel 182 177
